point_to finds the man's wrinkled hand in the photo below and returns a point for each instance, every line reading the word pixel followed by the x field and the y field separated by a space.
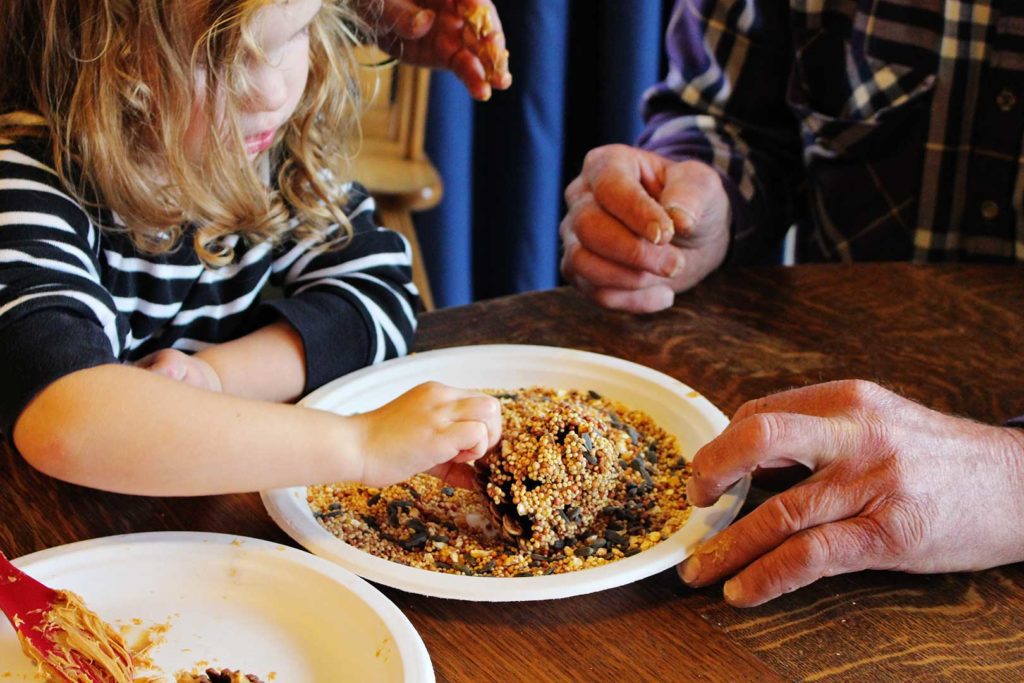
pixel 464 36
pixel 894 485
pixel 640 227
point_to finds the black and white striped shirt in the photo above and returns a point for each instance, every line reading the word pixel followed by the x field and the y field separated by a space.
pixel 73 296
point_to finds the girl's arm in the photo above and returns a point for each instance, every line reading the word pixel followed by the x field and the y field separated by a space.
pixel 343 309
pixel 268 364
pixel 277 352
pixel 124 429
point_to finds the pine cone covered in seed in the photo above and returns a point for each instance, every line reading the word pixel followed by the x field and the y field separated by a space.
pixel 556 467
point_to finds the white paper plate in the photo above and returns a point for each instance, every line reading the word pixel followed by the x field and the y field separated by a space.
pixel 234 602
pixel 674 406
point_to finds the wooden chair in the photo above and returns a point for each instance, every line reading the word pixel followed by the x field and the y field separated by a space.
pixel 391 162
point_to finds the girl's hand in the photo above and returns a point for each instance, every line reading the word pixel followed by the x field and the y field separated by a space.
pixel 182 367
pixel 464 36
pixel 431 428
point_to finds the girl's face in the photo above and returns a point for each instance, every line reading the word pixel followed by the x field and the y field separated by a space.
pixel 276 83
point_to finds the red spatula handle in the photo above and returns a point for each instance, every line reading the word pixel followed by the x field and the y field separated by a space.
pixel 22 595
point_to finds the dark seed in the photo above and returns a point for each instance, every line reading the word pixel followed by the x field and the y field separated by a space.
pixel 588 452
pixel 334 506
pixel 415 524
pixel 371 522
pixel 584 551
pixel 373 500
pixel 439 538
pixel 538 557
pixel 448 491
pixel 489 567
pixel 634 436
pixel 442 564
pixel 614 537
pixel 414 541
pixel 332 514
pixel 594 395
pixel 522 574
pixel 411 489
pixel 464 569
pixel 598 543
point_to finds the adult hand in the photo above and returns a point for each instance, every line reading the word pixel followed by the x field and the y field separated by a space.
pixel 641 227
pixel 182 367
pixel 439 34
pixel 894 486
pixel 431 428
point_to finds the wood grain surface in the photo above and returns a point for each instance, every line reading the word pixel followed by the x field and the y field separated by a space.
pixel 949 337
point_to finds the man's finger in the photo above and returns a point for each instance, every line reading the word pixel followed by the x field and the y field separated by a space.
pixel 603 234
pixel 825 400
pixel 847 546
pixel 574 190
pixel 650 300
pixel 613 173
pixel 467 67
pixel 406 19
pixel 689 187
pixel 767 439
pixel 769 526
pixel 603 273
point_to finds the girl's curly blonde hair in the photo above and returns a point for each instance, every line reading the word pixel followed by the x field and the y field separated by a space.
pixel 111 85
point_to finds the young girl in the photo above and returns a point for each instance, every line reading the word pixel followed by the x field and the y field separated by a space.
pixel 159 163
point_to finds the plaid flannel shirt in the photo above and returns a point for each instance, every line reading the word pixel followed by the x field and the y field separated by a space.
pixel 884 129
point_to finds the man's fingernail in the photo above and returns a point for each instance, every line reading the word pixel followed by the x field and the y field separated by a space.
pixel 654 232
pixel 682 217
pixel 668 233
pixel 691 570
pixel 421 20
pixel 733 590
pixel 673 266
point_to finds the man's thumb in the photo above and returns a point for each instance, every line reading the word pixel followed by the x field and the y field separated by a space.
pixel 689 189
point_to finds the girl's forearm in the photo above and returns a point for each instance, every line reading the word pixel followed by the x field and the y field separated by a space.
pixel 268 364
pixel 124 429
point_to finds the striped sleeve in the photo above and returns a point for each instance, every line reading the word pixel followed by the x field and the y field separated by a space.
pixel 724 103
pixel 55 315
pixel 353 306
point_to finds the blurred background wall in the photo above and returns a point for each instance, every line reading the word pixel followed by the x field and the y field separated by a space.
pixel 580 69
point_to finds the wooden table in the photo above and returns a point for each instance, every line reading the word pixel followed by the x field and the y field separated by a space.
pixel 950 337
